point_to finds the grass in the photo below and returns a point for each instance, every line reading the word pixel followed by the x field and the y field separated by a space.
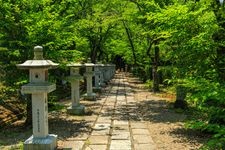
pixel 18 146
pixel 54 106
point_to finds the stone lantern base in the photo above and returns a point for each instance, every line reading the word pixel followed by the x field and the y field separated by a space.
pixel 76 110
pixel 103 84
pixel 91 96
pixel 97 89
pixel 48 143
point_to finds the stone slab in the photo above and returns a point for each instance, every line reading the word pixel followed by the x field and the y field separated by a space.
pixel 120 122
pixel 103 132
pixel 101 126
pixel 142 139
pixel 96 147
pixel 110 104
pixel 120 136
pixel 73 145
pixel 119 104
pixel 120 98
pixel 120 145
pixel 48 143
pixel 120 128
pixel 104 120
pixel 98 139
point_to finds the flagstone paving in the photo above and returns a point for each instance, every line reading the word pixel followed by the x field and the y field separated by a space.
pixel 112 126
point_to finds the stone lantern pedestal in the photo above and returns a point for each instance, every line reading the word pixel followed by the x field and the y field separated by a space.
pixel 76 108
pixel 89 74
pixel 39 87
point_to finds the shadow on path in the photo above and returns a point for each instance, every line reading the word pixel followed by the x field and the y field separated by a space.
pixel 72 127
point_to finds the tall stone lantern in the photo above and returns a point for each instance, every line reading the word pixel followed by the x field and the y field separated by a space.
pixel 89 74
pixel 74 79
pixel 39 87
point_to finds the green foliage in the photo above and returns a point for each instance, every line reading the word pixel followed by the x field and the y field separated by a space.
pixel 208 97
pixel 189 35
pixel 218 140
pixel 204 91
pixel 66 56
pixel 53 106
pixel 148 84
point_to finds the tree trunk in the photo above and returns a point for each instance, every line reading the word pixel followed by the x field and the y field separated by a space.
pixel 93 54
pixel 129 36
pixel 155 70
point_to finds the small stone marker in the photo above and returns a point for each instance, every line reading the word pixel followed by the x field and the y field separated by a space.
pixel 181 92
pixel 89 74
pixel 74 78
pixel 39 87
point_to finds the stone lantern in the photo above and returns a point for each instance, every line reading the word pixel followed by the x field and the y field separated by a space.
pixel 89 74
pixel 39 87
pixel 97 74
pixel 107 72
pixel 102 72
pixel 74 79
pixel 110 71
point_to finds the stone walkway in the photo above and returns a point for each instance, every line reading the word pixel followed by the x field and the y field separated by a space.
pixel 113 127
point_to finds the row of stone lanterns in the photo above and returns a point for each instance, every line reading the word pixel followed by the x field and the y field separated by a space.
pixel 75 77
pixel 39 87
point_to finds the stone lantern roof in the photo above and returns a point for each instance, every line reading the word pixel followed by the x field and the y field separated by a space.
pixel 99 64
pixel 74 74
pixel 75 65
pixel 38 61
pixel 89 64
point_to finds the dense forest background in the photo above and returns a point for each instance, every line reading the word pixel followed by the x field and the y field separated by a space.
pixel 165 42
